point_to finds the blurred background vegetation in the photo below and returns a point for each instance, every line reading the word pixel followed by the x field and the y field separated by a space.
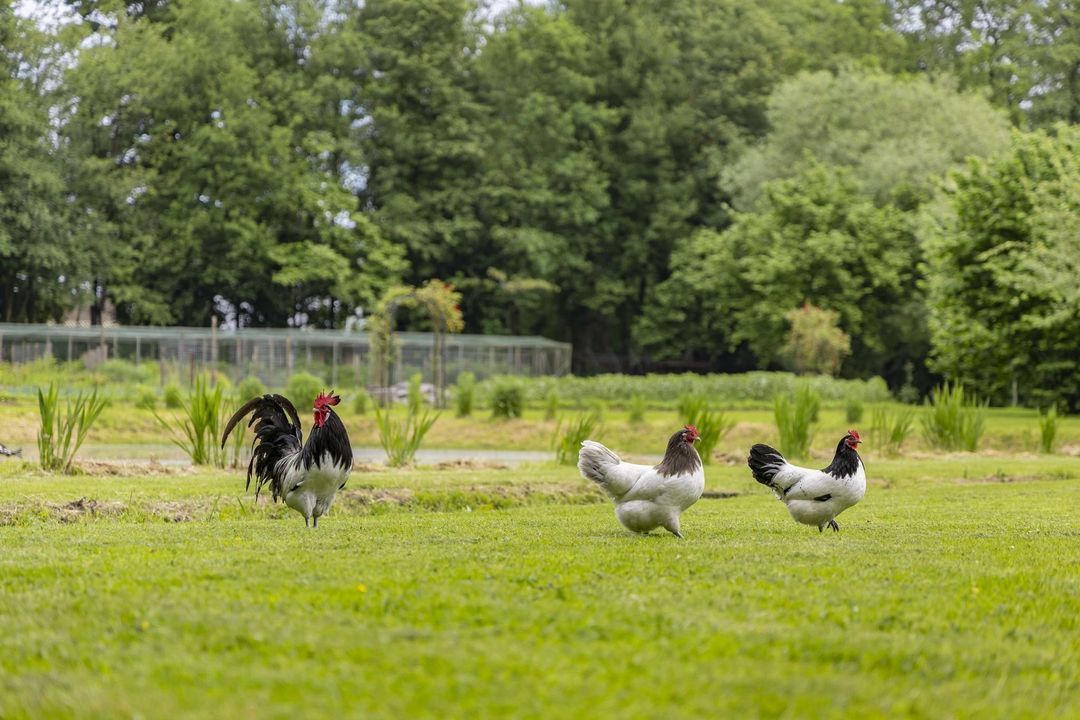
pixel 872 188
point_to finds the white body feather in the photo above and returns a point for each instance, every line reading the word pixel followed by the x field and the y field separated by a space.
pixel 802 485
pixel 311 492
pixel 644 499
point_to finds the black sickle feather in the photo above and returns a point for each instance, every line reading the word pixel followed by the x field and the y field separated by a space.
pixel 277 436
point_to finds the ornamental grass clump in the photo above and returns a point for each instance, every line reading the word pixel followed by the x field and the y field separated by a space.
pixel 62 432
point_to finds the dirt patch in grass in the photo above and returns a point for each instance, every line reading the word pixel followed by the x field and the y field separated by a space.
pixel 102 468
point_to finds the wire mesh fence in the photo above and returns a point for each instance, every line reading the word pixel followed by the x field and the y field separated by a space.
pixel 340 358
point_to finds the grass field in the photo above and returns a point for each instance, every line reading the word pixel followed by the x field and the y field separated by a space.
pixel 952 591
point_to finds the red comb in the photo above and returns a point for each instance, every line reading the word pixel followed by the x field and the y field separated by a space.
pixel 327 398
pixel 692 429
pixel 855 434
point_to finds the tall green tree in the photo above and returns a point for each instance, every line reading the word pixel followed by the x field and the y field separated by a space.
pixel 210 160
pixel 40 264
pixel 898 135
pixel 1026 53
pixel 1003 305
pixel 420 131
pixel 815 238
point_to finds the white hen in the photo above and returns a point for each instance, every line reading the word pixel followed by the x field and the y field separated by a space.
pixel 813 497
pixel 648 497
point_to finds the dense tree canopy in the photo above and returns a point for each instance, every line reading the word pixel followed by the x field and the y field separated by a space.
pixel 1003 288
pixel 661 182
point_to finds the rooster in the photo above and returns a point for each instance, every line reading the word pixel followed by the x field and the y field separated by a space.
pixel 813 497
pixel 308 476
pixel 648 497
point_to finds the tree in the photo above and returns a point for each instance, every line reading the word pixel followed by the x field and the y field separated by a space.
pixel 419 131
pixel 1003 306
pixel 213 160
pixel 814 343
pixel 40 263
pixel 1025 52
pixel 898 135
pixel 814 239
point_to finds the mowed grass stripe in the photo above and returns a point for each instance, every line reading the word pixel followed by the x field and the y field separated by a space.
pixel 947 600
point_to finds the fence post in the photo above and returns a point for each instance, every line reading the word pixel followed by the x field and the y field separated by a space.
pixel 333 363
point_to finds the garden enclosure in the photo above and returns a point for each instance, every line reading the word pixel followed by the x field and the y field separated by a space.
pixel 340 358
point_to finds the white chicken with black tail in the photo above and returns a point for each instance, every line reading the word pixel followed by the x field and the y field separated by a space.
pixel 646 496
pixel 813 497
pixel 305 476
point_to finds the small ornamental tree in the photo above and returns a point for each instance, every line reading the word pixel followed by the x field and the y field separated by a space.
pixel 441 302
pixel 815 343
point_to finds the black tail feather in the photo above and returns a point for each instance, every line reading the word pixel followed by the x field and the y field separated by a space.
pixel 277 435
pixel 764 463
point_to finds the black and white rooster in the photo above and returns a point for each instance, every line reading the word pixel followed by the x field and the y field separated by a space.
pixel 306 476
pixel 813 497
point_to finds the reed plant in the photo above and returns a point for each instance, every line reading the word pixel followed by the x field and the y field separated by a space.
pixel 63 430
pixel 795 415
pixel 401 438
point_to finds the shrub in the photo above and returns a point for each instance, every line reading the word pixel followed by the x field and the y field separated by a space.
pixel 507 399
pixel 815 343
pixel 174 396
pixel 204 417
pixel 890 429
pixel 303 388
pixel 145 397
pixel 400 439
pixel 415 397
pixel 637 407
pixel 250 387
pixel 127 373
pixel 1048 430
pixel 568 439
pixel 853 407
pixel 598 408
pixel 712 427
pixel 954 421
pixel 62 433
pixel 463 396
pixel 794 417
pixel 361 401
pixel 551 404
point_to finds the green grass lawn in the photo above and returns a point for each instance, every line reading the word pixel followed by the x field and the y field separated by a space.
pixel 952 591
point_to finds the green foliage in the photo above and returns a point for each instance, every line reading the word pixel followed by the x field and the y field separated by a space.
pixel 568 437
pixel 174 396
pixel 1048 429
pixel 303 388
pixel 415 397
pixel 669 389
pixel 637 406
pixel 898 135
pixel 712 426
pixel 551 404
pixel 795 415
pixel 463 397
pixel 815 345
pixel 507 398
pixel 814 238
pixel 250 387
pixel 400 439
pixel 891 428
pixel 62 433
pixel 361 401
pixel 1003 257
pixel 198 431
pixel 853 407
pixel 146 397
pixel 953 420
